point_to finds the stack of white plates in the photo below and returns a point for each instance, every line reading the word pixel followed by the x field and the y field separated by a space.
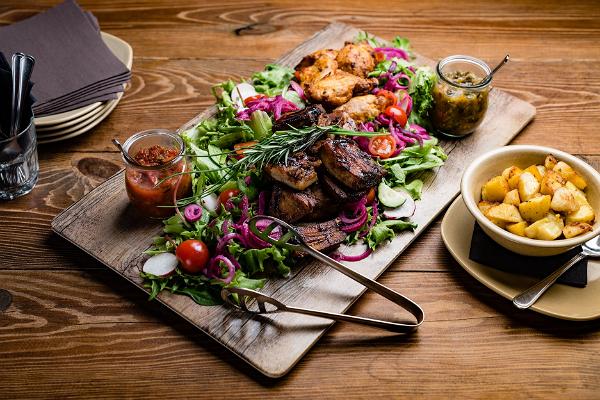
pixel 66 125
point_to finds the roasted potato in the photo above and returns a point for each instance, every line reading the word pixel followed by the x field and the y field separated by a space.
pixel 551 181
pixel 550 162
pixel 495 189
pixel 542 201
pixel 575 229
pixel 584 214
pixel 528 186
pixel 512 197
pixel 506 213
pixel 564 201
pixel 536 208
pixel 517 228
pixel 533 170
pixel 512 174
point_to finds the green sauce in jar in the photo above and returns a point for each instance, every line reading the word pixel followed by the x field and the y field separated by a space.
pixel 460 96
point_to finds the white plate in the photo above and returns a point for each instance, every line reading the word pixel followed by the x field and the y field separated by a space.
pixel 560 301
pixel 123 51
pixel 52 129
pixel 90 124
pixel 66 116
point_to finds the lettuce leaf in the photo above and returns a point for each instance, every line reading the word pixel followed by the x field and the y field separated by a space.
pixel 273 80
pixel 385 231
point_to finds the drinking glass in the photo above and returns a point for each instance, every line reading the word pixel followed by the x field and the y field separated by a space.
pixel 19 168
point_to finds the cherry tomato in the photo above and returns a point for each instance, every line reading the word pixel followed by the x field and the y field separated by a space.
pixel 397 113
pixel 252 98
pixel 379 56
pixel 371 196
pixel 382 146
pixel 226 195
pixel 388 95
pixel 240 148
pixel 193 255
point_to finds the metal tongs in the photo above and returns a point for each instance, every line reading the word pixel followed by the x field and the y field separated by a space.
pixel 288 237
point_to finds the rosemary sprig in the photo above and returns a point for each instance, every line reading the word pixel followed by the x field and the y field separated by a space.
pixel 274 149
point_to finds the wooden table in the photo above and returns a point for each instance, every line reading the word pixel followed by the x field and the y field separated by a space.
pixel 76 329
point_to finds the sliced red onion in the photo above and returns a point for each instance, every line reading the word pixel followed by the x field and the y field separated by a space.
pixel 391 52
pixel 244 206
pixel 214 266
pixel 262 202
pixel 192 212
pixel 375 212
pixel 355 226
pixel 248 180
pixel 342 257
pixel 225 227
pixel 298 89
pixel 225 240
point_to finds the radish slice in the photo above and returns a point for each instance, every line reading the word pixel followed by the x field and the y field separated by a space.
pixel 405 210
pixel 210 202
pixel 162 264
pixel 241 92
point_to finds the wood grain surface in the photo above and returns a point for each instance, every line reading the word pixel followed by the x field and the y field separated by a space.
pixel 75 329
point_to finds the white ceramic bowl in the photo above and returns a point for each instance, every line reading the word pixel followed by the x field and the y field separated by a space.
pixel 493 163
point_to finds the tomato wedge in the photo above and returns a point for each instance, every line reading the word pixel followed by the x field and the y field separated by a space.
pixel 240 148
pixel 252 98
pixel 226 195
pixel 397 114
pixel 371 196
pixel 382 146
pixel 379 56
pixel 388 95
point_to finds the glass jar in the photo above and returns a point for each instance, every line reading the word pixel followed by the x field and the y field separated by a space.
pixel 460 95
pixel 161 155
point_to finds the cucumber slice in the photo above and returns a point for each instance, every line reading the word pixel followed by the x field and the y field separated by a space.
pixel 389 197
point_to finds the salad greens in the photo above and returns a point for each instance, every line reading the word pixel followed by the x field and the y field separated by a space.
pixel 227 153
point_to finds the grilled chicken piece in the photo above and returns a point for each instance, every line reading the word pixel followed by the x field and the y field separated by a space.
pixel 291 206
pixel 310 59
pixel 321 68
pixel 341 119
pixel 345 161
pixel 364 108
pixel 356 59
pixel 308 116
pixel 299 172
pixel 337 88
pixel 338 192
pixel 322 236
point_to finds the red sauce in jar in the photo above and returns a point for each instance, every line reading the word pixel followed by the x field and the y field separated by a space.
pixel 141 183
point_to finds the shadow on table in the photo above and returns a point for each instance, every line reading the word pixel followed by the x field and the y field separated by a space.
pixel 557 327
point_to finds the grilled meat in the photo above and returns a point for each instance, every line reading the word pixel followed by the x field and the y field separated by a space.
pixel 308 116
pixel 345 161
pixel 337 88
pixel 339 118
pixel 356 59
pixel 322 67
pixel 310 59
pixel 338 191
pixel 291 205
pixel 322 236
pixel 364 108
pixel 299 172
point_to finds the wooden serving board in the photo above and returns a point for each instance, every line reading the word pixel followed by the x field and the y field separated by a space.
pixel 104 225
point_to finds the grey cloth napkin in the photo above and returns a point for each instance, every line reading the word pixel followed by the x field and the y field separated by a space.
pixel 73 65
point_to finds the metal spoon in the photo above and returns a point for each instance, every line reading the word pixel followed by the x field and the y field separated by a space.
pixel 126 155
pixel 591 248
pixel 22 67
pixel 500 65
